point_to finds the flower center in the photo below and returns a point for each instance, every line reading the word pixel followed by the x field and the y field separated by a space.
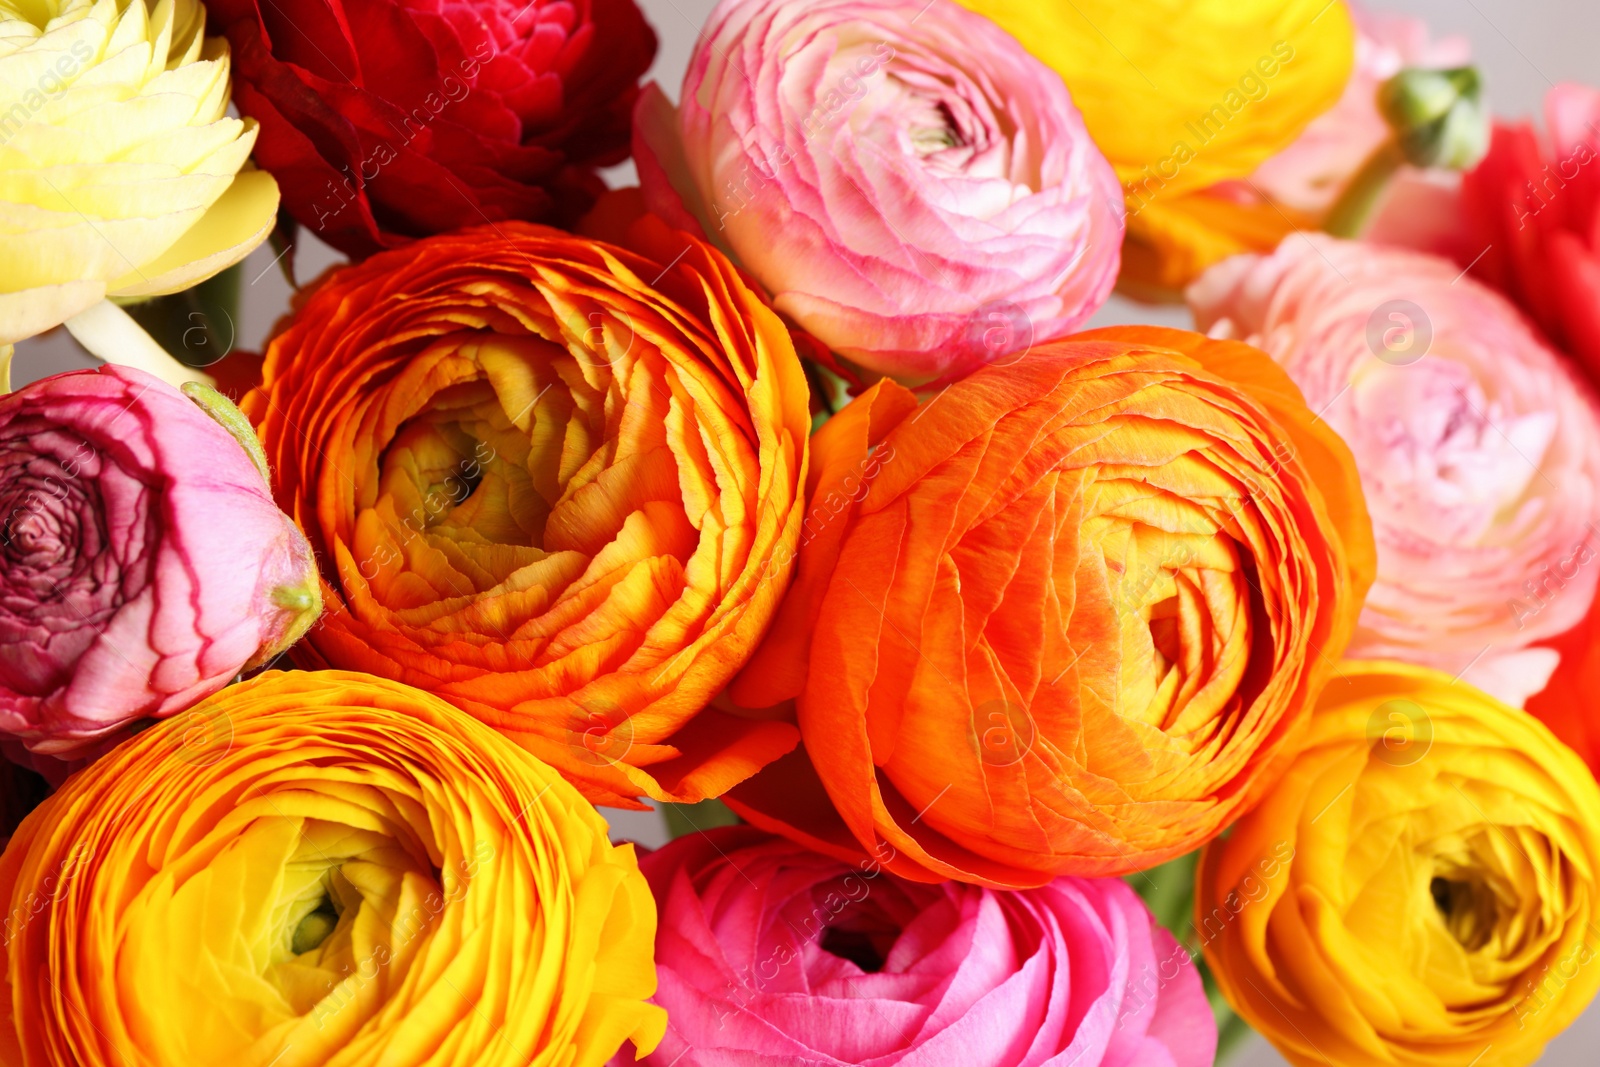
pixel 313 929
pixel 933 129
pixel 1469 910
pixel 1438 454
pixel 864 948
pixel 28 534
pixel 1182 604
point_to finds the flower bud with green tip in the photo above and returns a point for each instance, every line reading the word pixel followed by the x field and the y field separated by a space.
pixel 1437 116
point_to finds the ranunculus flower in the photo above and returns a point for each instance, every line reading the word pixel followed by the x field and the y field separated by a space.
pixel 1064 619
pixel 120 170
pixel 554 482
pixel 322 870
pixel 1420 889
pixel 906 182
pixel 388 120
pixel 1183 95
pixel 1478 447
pixel 769 953
pixel 143 563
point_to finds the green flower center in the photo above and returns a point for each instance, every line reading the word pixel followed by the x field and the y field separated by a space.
pixel 313 929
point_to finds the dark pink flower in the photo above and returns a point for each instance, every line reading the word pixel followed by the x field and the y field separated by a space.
pixel 142 560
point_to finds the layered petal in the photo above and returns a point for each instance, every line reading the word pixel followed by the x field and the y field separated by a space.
pixel 1187 95
pixel 768 953
pixel 906 182
pixel 143 562
pixel 1477 445
pixel 119 164
pixel 388 120
pixel 1527 220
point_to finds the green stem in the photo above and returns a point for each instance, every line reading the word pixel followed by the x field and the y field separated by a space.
pixel 1351 213
pixel 685 819
pixel 199 325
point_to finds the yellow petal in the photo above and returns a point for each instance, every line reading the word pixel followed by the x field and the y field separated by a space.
pixel 33 311
pixel 229 231
pixel 1232 80
pixel 118 160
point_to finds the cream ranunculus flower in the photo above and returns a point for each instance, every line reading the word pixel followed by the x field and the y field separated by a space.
pixel 120 170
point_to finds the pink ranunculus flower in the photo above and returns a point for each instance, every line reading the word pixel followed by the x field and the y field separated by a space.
pixel 143 562
pixel 908 183
pixel 1313 172
pixel 1477 445
pixel 769 954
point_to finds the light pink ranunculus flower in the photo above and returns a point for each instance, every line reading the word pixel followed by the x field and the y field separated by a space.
pixel 1315 170
pixel 908 183
pixel 143 563
pixel 767 953
pixel 1477 445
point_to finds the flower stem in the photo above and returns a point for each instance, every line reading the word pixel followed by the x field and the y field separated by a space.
pixel 1350 215
pixel 109 333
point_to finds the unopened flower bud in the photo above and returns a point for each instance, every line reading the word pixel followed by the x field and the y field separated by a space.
pixel 1437 116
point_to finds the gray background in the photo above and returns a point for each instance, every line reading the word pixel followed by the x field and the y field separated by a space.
pixel 1522 48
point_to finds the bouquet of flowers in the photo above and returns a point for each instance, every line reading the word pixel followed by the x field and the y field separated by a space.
pixel 1020 690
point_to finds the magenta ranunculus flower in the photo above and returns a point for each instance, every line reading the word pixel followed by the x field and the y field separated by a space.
pixel 908 183
pixel 770 954
pixel 1478 447
pixel 143 563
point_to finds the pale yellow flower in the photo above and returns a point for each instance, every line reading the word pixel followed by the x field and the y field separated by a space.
pixel 121 174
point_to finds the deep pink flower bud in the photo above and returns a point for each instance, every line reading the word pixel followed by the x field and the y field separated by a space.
pixel 143 563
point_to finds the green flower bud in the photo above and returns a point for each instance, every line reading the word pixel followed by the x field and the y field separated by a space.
pixel 1437 116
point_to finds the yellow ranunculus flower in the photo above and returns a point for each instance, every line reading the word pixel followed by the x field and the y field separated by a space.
pixel 322 870
pixel 1182 95
pixel 119 166
pixel 1420 888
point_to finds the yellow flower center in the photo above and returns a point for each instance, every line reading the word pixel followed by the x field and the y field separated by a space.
pixel 1468 908
pixel 1181 597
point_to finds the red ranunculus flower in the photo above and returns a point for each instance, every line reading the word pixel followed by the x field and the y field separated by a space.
pixel 385 120
pixel 1535 204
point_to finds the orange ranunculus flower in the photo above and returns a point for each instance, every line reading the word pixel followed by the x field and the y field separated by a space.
pixel 1420 889
pixel 322 870
pixel 553 481
pixel 1067 617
